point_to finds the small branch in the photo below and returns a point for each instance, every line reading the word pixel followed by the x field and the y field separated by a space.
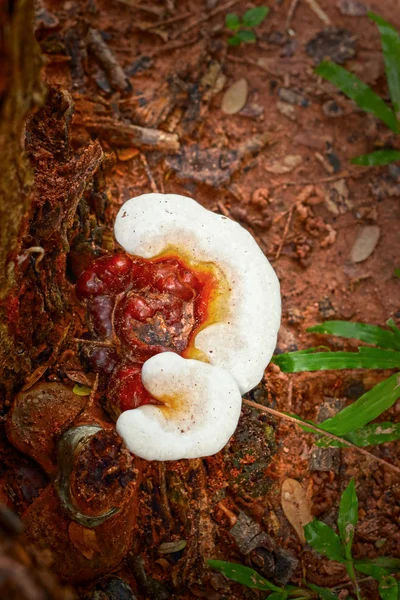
pixel 285 232
pixel 107 61
pixel 320 431
pixel 321 14
pixel 204 18
pixel 149 174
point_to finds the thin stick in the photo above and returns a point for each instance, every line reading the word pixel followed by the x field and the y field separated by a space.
pixel 285 232
pixel 174 46
pixel 317 429
pixel 321 14
pixel 167 21
pixel 343 175
pixel 149 174
pixel 291 12
pixel 93 343
pixel 204 18
pixel 253 63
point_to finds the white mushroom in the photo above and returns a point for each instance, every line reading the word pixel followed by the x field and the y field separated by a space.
pixel 201 409
pixel 244 337
pixel 202 399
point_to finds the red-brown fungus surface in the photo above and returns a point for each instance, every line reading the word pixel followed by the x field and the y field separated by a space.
pixel 136 308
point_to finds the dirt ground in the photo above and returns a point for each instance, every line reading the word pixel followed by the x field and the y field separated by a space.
pixel 280 167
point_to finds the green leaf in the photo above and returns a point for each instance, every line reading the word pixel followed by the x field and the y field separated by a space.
pixel 358 91
pixel 278 596
pixel 378 158
pixel 323 539
pixel 396 272
pixel 365 358
pixel 323 593
pixel 348 516
pixel 81 390
pixel 243 575
pixel 234 40
pixel 368 407
pixel 389 589
pixel 232 21
pixel 246 36
pixel 255 16
pixel 378 567
pixel 371 334
pixel 391 52
pixel 370 435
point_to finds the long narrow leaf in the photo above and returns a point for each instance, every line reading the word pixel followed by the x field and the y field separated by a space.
pixel 378 567
pixel 371 334
pixel 367 408
pixel 376 159
pixel 391 52
pixel 370 435
pixel 244 575
pixel 323 593
pixel 323 539
pixel 358 91
pixel 348 516
pixel 365 358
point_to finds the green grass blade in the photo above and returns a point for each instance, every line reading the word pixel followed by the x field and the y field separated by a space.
pixel 348 516
pixel 365 358
pixel 358 91
pixel 378 567
pixel 376 159
pixel 389 589
pixel 323 593
pixel 244 575
pixel 370 435
pixel 391 54
pixel 371 334
pixel 255 16
pixel 323 539
pixel 367 408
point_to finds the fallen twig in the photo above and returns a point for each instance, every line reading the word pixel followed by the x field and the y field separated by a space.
pixel 107 61
pixel 285 232
pixel 149 174
pixel 204 18
pixel 321 14
pixel 125 135
pixel 291 11
pixel 320 431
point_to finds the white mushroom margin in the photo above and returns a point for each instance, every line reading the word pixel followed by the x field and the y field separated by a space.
pixel 201 409
pixel 241 344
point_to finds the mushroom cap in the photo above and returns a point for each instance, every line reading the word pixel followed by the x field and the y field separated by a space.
pixel 201 410
pixel 243 340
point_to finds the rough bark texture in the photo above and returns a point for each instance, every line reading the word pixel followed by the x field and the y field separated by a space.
pixel 20 92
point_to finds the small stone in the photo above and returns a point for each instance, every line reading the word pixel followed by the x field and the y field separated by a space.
pixel 292 97
pixel 287 110
pixel 351 8
pixel 365 243
pixel 310 139
pixel 337 197
pixel 325 308
pixel 335 44
pixel 235 97
pixel 284 165
pixel 332 109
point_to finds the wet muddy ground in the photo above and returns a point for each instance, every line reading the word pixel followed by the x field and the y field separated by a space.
pixel 135 106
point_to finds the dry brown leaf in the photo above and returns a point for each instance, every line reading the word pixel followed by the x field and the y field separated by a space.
pixel 235 97
pixel 84 540
pixel 365 243
pixel 296 506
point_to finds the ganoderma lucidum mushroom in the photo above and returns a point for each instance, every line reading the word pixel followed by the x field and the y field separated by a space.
pixel 197 395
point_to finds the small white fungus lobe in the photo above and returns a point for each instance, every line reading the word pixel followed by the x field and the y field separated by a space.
pixel 240 344
pixel 200 420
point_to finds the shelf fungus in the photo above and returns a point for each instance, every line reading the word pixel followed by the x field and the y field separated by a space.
pixel 183 322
